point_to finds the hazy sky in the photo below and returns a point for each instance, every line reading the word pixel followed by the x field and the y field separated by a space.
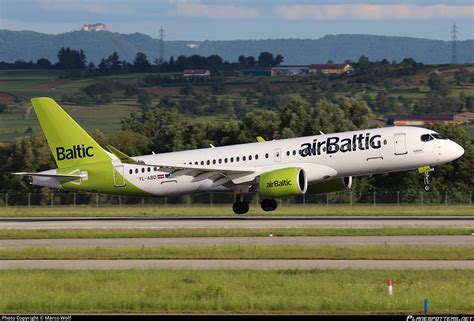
pixel 243 19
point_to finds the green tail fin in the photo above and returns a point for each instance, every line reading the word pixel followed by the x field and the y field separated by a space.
pixel 70 144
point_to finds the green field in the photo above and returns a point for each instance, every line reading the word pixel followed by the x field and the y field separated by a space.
pixel 235 291
pixel 244 252
pixel 225 210
pixel 12 234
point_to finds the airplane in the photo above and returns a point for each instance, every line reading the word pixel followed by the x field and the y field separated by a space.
pixel 316 164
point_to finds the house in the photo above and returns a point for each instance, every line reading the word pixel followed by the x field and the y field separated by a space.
pixel 464 118
pixel 196 73
pixel 330 69
pixel 94 27
pixel 419 120
pixel 289 70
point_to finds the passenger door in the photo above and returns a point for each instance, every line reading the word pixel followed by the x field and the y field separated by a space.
pixel 400 144
pixel 119 179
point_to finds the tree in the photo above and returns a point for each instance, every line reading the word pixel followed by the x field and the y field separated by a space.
pixel 260 122
pixel 461 75
pixel 3 107
pixel 43 63
pixel 437 84
pixel 144 99
pixel 141 63
pixel 278 60
pixel 71 59
pixel 265 59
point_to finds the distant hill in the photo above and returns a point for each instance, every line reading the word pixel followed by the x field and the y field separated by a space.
pixel 29 45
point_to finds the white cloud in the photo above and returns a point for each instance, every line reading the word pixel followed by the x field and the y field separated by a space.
pixel 89 6
pixel 215 11
pixel 364 11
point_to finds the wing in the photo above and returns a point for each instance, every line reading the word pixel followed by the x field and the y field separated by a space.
pixel 220 175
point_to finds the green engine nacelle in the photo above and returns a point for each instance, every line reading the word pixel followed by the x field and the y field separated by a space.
pixel 283 182
pixel 333 185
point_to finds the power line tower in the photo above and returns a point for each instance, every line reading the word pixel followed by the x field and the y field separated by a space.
pixel 454 40
pixel 162 44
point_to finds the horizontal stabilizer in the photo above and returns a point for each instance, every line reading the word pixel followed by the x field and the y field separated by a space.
pixel 64 176
pixel 124 158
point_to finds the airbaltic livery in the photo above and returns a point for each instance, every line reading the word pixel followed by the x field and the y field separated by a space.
pixel 278 168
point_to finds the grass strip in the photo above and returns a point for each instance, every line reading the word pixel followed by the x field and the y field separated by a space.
pixel 225 210
pixel 333 252
pixel 235 291
pixel 11 234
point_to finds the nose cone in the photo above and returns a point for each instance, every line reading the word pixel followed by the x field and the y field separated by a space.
pixel 456 150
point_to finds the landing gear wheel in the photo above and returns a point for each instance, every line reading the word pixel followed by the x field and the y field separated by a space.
pixel 269 204
pixel 240 207
pixel 428 188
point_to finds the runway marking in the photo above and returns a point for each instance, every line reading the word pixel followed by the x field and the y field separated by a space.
pixel 235 264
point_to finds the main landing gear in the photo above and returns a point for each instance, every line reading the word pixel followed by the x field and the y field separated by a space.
pixel 269 204
pixel 426 177
pixel 241 207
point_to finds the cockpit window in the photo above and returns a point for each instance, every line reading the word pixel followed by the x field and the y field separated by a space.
pixel 426 138
pixel 439 136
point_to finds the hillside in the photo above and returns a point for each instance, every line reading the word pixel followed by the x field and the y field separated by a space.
pixel 29 45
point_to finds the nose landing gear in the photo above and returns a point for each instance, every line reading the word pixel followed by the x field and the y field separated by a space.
pixel 426 177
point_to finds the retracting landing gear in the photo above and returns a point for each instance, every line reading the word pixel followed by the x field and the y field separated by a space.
pixel 426 177
pixel 240 207
pixel 269 204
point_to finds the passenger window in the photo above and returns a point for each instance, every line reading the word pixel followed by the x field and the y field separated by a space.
pixel 294 153
pixel 143 170
pixel 208 162
pixel 202 162
pixel 136 170
pixel 149 169
pixel 250 157
pixel 426 138
pixel 130 171
pixel 237 159
pixel 288 153
pixel 266 155
pixel 225 160
pixel 156 169
pixel 256 156
pixel 214 161
pixel 244 158
pixel 232 159
pixel 220 160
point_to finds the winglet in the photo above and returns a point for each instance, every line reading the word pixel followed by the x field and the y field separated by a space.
pixel 124 158
pixel 260 139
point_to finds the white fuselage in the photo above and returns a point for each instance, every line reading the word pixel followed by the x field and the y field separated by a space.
pixel 355 153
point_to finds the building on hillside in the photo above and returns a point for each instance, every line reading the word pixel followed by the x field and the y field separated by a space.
pixel 289 70
pixel 196 73
pixel 419 120
pixel 464 118
pixel 94 27
pixel 331 69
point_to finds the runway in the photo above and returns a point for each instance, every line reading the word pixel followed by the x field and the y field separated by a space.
pixel 451 240
pixel 235 222
pixel 234 264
